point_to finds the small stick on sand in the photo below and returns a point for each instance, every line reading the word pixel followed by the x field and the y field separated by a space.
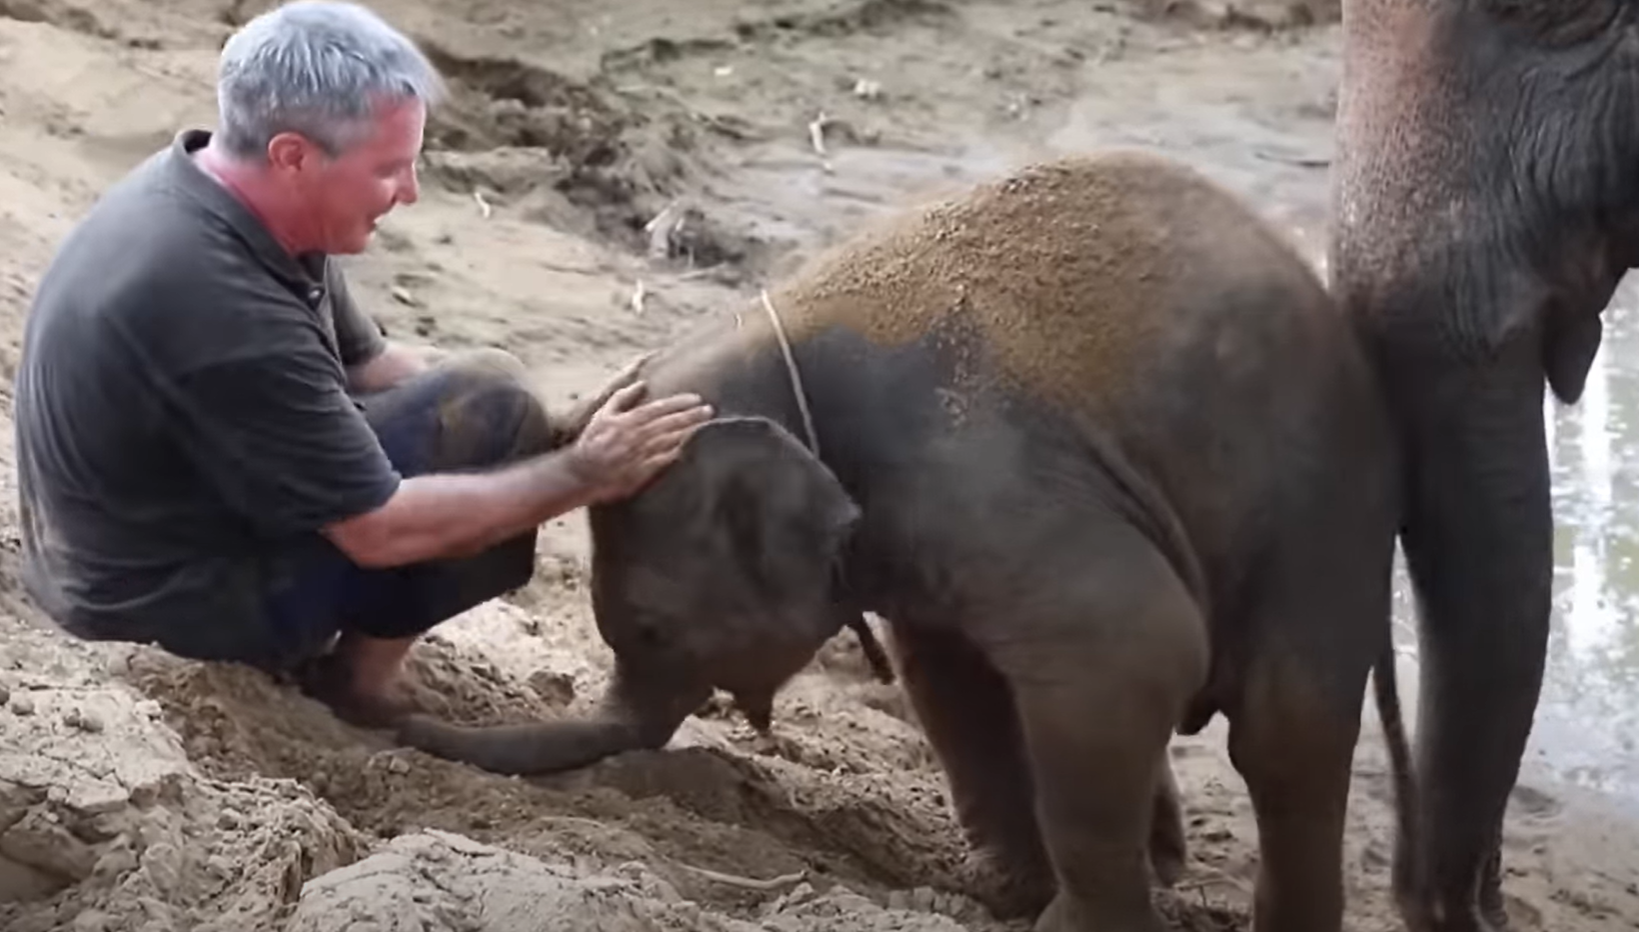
pixel 638 294
pixel 816 132
pixel 1301 161
pixel 483 205
pixel 661 228
pixel 747 883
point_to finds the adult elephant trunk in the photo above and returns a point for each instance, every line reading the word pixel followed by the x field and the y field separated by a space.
pixel 634 713
pixel 1478 539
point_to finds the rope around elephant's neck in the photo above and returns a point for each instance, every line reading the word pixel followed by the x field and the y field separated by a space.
pixel 875 657
pixel 791 369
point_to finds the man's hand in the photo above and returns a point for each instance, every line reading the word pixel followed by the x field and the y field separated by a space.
pixel 580 413
pixel 622 447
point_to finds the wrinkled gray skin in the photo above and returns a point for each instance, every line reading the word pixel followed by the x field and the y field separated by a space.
pixel 1200 521
pixel 1486 197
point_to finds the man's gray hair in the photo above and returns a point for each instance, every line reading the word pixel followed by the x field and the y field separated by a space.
pixel 318 68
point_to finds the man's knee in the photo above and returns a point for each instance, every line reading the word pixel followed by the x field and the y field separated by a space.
pixel 485 360
pixel 488 413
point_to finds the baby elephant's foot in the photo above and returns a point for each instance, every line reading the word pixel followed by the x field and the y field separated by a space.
pixel 1006 887
pixel 1065 914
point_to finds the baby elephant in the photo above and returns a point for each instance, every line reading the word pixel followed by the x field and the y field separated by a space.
pixel 1097 445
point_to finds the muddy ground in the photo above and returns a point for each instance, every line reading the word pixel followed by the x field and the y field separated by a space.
pixel 610 174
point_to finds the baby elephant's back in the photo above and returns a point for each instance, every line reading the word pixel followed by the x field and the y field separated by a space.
pixel 1083 281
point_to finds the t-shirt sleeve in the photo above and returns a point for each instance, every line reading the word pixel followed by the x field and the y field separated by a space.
pixel 277 435
pixel 358 339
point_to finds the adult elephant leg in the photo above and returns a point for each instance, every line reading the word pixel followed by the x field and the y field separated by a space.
pixel 1478 538
pixel 1102 661
pixel 967 712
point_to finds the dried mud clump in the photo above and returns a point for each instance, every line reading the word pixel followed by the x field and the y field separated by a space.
pixel 571 154
pixel 848 19
pixel 105 824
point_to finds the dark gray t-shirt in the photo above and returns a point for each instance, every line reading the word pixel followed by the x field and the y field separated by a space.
pixel 182 411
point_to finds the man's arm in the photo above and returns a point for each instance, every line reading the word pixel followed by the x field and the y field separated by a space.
pixel 273 431
pixel 442 515
pixel 373 362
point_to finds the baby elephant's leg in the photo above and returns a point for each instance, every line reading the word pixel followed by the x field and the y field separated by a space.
pixel 967 713
pixel 1102 663
pixel 1292 735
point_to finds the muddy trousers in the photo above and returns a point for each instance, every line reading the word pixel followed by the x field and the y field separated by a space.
pixel 470 413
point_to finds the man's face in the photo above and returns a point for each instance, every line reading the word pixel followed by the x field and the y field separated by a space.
pixel 344 196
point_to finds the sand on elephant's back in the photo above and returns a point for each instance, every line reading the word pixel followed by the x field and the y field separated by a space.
pixel 1067 269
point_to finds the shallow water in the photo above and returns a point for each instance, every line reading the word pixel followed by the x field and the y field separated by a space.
pixel 1588 724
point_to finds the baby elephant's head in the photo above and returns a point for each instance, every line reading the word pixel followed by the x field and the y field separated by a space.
pixel 722 571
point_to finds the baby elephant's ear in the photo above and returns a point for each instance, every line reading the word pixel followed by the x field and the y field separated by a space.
pixel 786 515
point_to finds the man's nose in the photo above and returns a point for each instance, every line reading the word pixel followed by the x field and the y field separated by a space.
pixel 409 189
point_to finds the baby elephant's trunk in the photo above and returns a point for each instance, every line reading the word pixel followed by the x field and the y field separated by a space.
pixel 627 719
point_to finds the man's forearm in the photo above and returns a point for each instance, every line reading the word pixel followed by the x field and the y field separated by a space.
pixel 455 514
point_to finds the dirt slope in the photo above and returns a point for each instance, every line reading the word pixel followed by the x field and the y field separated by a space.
pixel 138 791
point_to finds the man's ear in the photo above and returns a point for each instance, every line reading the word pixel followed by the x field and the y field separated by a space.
pixel 290 152
pixel 786 515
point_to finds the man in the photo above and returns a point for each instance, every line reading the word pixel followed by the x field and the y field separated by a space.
pixel 219 453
